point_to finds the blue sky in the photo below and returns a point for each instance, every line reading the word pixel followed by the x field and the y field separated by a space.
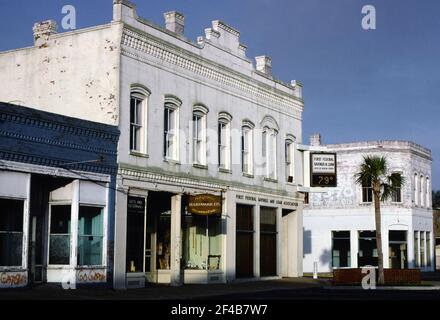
pixel 358 85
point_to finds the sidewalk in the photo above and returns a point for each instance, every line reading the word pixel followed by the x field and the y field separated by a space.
pixel 159 292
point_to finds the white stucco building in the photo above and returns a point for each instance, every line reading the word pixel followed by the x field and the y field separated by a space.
pixel 339 225
pixel 195 118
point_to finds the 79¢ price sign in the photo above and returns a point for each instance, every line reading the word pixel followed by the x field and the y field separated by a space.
pixel 323 170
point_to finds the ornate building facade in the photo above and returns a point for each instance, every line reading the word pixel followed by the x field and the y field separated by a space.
pixel 339 225
pixel 197 119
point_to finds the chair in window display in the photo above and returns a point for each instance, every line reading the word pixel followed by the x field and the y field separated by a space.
pixel 214 262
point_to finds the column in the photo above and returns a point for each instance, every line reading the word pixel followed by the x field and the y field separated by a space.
pixel 300 240
pixel 120 243
pixel 295 243
pixel 385 248
pixel 410 249
pixel 256 214
pixel 354 248
pixel 279 237
pixel 74 229
pixel 176 241
pixel 231 233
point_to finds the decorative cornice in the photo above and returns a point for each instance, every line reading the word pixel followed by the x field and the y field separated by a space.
pixel 247 86
pixel 61 127
pixel 57 163
pixel 145 175
pixel 221 25
pixel 58 143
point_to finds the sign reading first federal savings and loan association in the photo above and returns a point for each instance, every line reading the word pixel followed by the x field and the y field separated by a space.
pixel 323 170
pixel 204 204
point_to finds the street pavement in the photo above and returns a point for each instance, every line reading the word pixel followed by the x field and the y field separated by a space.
pixel 281 289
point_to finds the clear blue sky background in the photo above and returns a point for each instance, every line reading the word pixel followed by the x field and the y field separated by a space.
pixel 358 85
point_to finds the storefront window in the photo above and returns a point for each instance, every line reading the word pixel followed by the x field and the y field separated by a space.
pixel 59 246
pixel 422 249
pixel 416 248
pixel 428 249
pixel 268 241
pixel 367 249
pixel 341 249
pixel 164 241
pixel 202 242
pixel 11 232
pixel 397 249
pixel 90 236
pixel 135 234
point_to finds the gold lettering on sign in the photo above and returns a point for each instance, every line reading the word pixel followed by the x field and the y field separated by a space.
pixel 205 204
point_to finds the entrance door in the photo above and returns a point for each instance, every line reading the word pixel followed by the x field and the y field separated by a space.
pixel 268 242
pixel 244 242
pixel 398 250
pixel 36 250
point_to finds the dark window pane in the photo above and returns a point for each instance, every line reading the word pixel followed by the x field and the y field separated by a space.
pixel 11 215
pixel 60 220
pixel 90 236
pixel 11 232
pixel 90 250
pixel 268 220
pixel 11 245
pixel 245 221
pixel 341 234
pixel 367 254
pixel 341 249
pixel 59 252
pixel 133 110
pixel 135 234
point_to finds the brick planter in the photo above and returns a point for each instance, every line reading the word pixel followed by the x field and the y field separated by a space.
pixel 392 276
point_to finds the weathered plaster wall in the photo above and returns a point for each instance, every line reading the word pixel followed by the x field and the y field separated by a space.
pixel 74 74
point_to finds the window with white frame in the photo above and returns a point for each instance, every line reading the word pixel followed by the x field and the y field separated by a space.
pixel 224 142
pixel 396 195
pixel 428 249
pixel 59 234
pixel 422 191
pixel 428 193
pixel 199 135
pixel 11 232
pixel 247 149
pixel 416 189
pixel 138 119
pixel 367 192
pixel 269 145
pixel 171 129
pixel 90 236
pixel 290 159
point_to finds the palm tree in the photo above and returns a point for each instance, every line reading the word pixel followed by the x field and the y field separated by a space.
pixel 373 172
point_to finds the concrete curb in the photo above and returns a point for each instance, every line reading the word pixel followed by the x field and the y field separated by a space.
pixel 420 288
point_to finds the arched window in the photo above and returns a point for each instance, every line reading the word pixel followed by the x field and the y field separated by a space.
pixel 290 158
pixel 416 189
pixel 199 134
pixel 171 128
pixel 224 140
pixel 138 118
pixel 247 159
pixel 428 193
pixel 397 193
pixel 269 146
pixel 422 191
